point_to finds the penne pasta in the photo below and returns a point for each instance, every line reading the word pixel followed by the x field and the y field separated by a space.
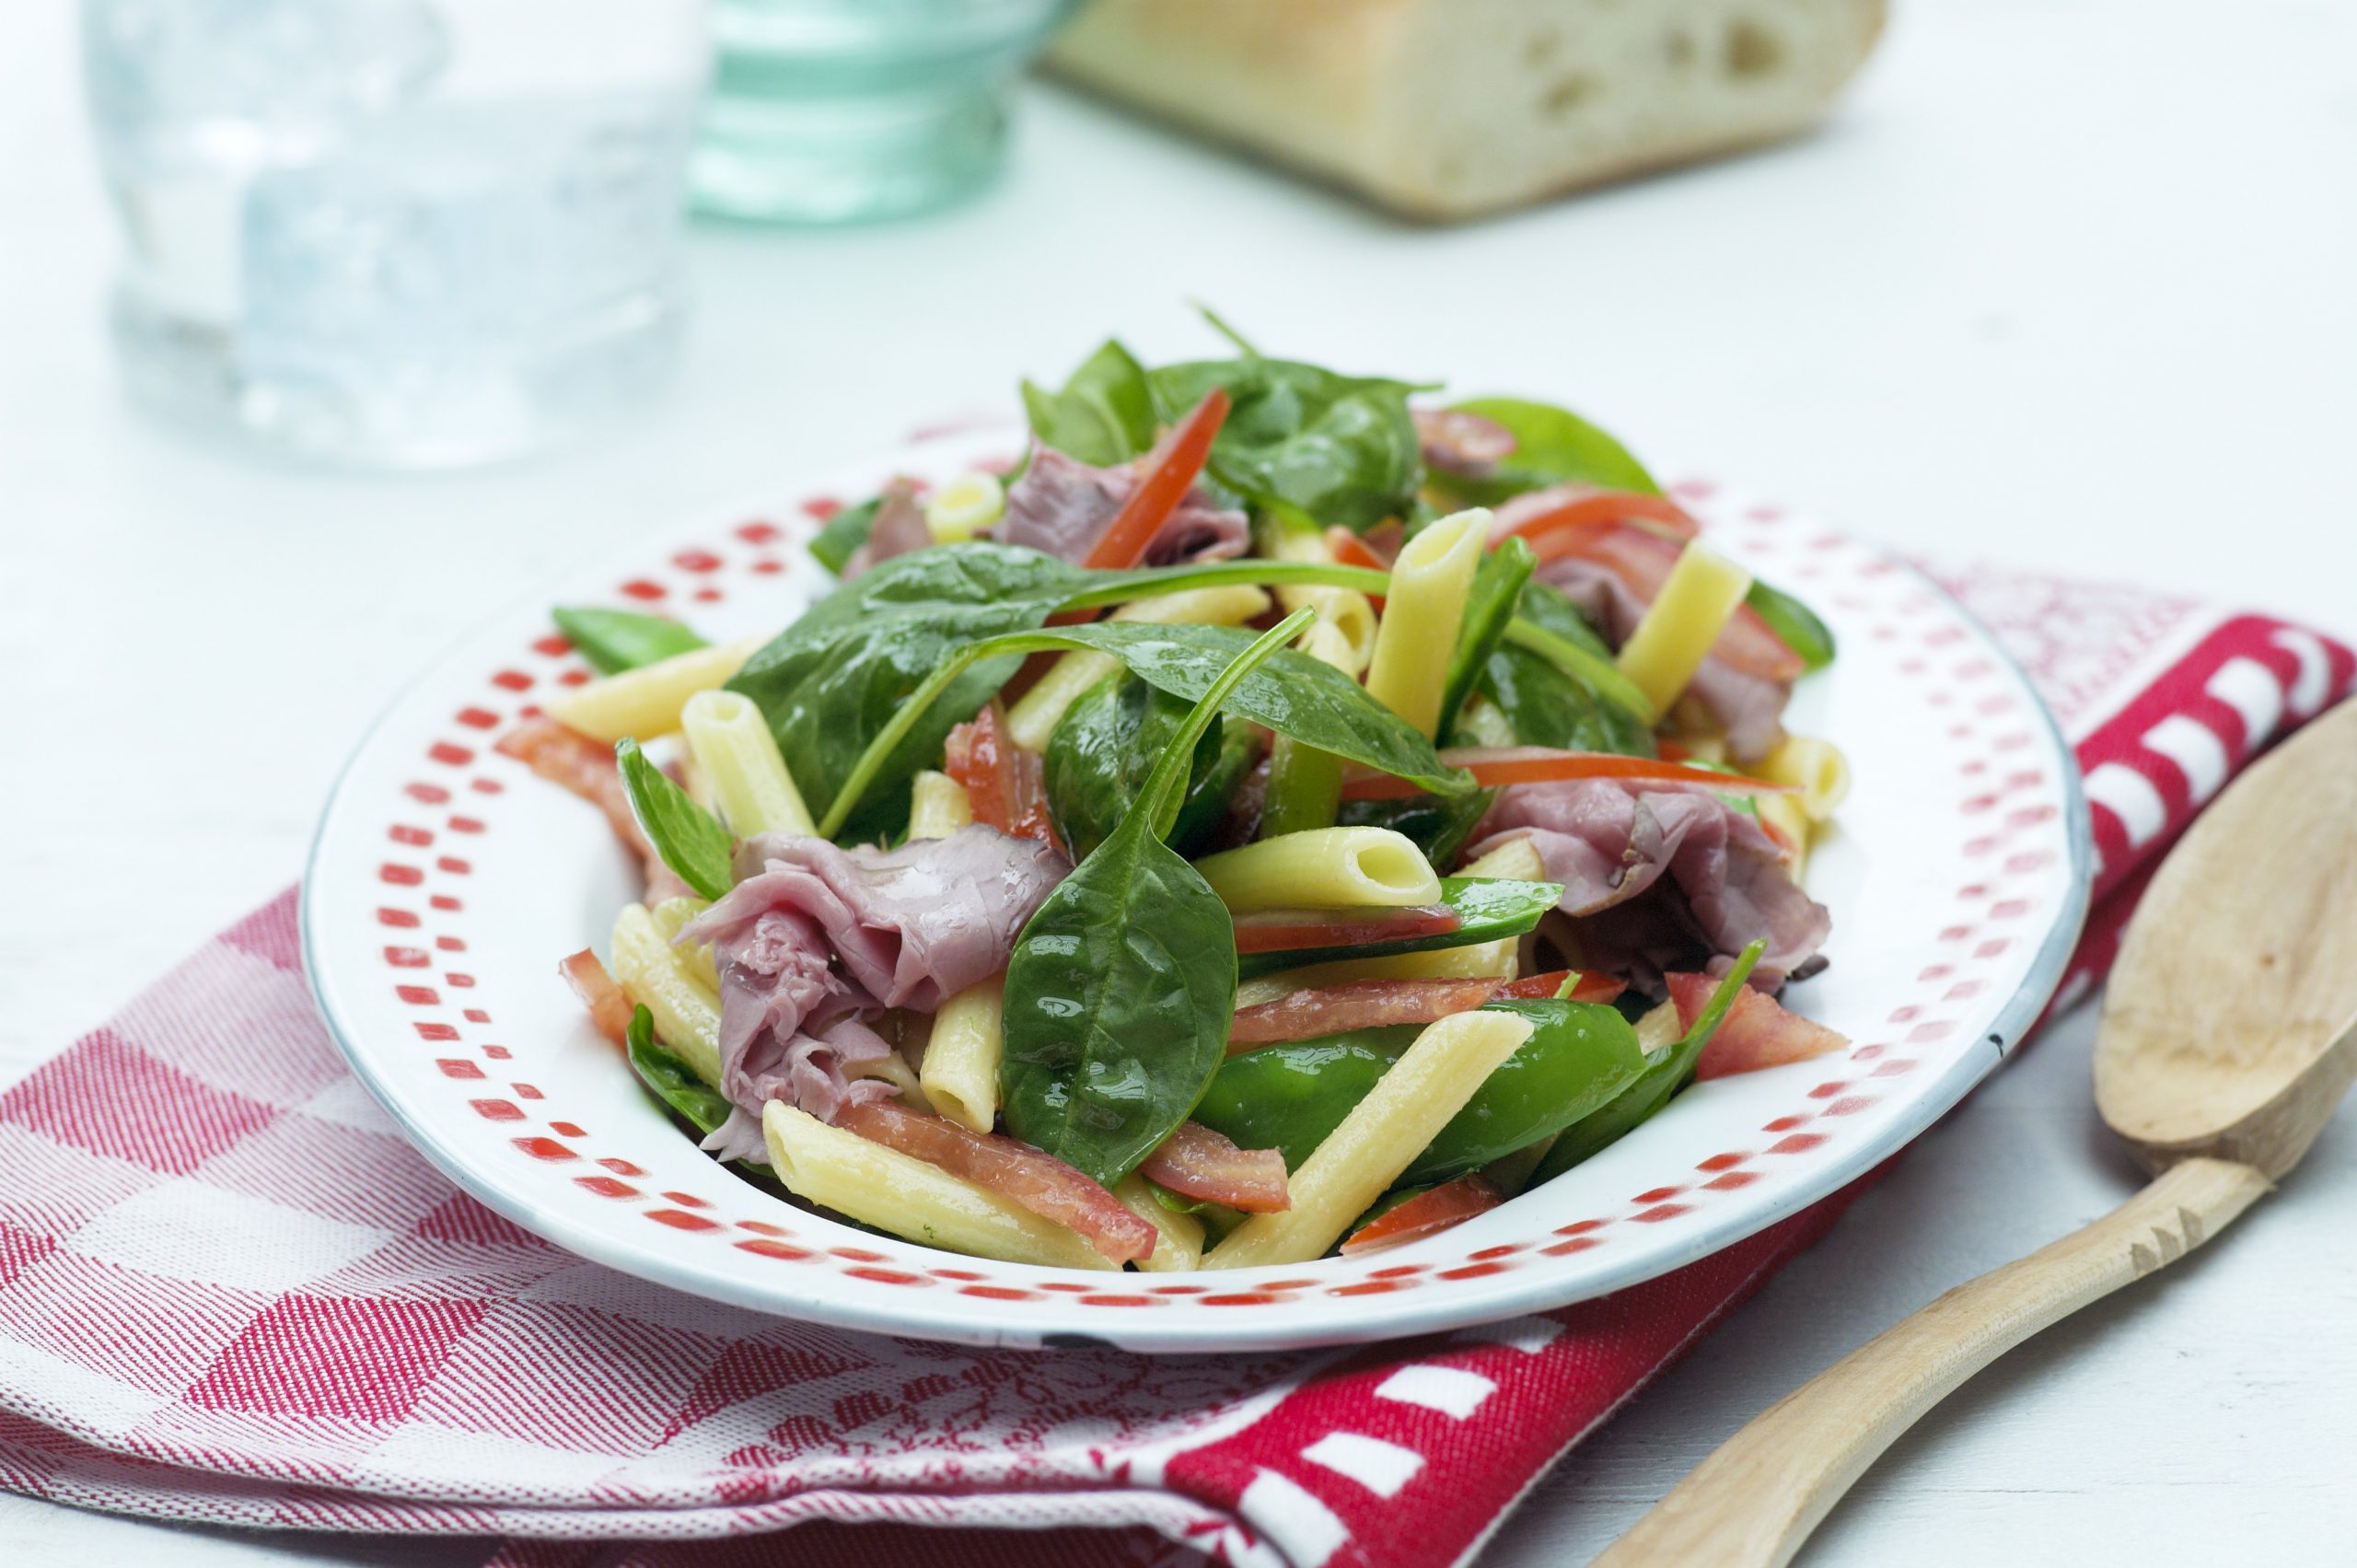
pixel 1178 1237
pixel 1816 769
pixel 646 702
pixel 1346 610
pixel 1382 1134
pixel 1675 637
pixel 892 1068
pixel 1323 868
pixel 1473 959
pixel 909 1197
pixel 671 916
pixel 938 806
pixel 1517 860
pixel 740 763
pixel 1429 585
pixel 1035 714
pixel 1787 821
pixel 961 1071
pixel 654 976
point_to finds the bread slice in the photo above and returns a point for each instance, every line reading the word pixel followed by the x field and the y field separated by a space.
pixel 1446 109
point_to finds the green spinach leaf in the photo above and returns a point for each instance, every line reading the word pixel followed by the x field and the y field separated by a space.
pixel 844 533
pixel 690 839
pixel 1121 986
pixel 1292 693
pixel 1103 416
pixel 836 679
pixel 611 641
pixel 1551 446
pixel 1104 749
pixel 1340 448
pixel 1487 908
pixel 1551 627
pixel 1489 608
pixel 1794 621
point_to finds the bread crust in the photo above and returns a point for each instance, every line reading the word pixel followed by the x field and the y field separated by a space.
pixel 1452 108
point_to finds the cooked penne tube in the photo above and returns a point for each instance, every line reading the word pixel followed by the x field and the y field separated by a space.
pixel 1429 585
pixel 1405 1111
pixel 961 1071
pixel 892 1068
pixel 965 506
pixel 1816 769
pixel 1787 822
pixel 1037 713
pixel 1323 868
pixel 1178 1239
pixel 1473 959
pixel 1517 860
pixel 655 976
pixel 911 1197
pixel 672 914
pixel 1345 609
pixel 1670 643
pixel 645 701
pixel 938 806
pixel 738 759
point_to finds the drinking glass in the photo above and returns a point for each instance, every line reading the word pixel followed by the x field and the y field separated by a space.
pixel 402 233
pixel 830 111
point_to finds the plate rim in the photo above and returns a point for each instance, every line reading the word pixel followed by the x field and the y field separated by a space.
pixel 1475 1302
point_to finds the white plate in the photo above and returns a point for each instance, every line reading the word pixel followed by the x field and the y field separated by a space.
pixel 446 882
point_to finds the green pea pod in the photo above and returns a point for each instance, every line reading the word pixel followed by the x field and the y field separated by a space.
pixel 1578 1059
pixel 1664 1076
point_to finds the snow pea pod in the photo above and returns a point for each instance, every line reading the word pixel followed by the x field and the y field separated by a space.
pixel 1579 1058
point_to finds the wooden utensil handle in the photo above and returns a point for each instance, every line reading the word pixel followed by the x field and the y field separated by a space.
pixel 1752 1503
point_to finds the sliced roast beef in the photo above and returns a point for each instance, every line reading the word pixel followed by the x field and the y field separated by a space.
pixel 900 527
pixel 1657 879
pixel 816 939
pixel 1063 505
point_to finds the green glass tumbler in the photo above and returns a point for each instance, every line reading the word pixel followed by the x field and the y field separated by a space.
pixel 841 110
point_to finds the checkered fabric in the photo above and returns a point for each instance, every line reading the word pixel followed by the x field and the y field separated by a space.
pixel 230 1293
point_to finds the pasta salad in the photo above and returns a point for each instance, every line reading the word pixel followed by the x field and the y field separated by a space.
pixel 1274 813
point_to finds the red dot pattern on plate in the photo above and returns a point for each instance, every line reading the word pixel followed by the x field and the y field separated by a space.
pixel 1924 643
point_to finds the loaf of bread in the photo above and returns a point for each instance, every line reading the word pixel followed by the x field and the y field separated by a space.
pixel 1444 108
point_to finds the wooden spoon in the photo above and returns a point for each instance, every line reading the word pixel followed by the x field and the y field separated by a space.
pixel 2229 1033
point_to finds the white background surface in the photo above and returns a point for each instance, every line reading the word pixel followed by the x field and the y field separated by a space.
pixel 2070 282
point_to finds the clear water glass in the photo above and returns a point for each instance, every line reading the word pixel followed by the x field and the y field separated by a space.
pixel 397 233
pixel 836 110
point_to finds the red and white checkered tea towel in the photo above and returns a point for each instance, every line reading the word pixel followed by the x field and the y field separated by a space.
pixel 230 1294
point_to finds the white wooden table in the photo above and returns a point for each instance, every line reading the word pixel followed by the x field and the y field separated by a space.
pixel 2073 284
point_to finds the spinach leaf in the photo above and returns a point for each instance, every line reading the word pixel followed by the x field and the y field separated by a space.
pixel 1293 694
pixel 1548 707
pixel 1580 1056
pixel 1549 626
pixel 1794 621
pixel 1120 987
pixel 1489 608
pixel 690 839
pixel 1340 448
pixel 836 679
pixel 1487 907
pixel 611 641
pixel 1104 749
pixel 1103 416
pixel 1438 825
pixel 1666 1073
pixel 673 1082
pixel 1551 445
pixel 844 533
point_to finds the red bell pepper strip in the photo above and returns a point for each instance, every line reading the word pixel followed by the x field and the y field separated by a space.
pixel 1196 1162
pixel 1005 785
pixel 608 1008
pixel 1757 1033
pixel 1451 1202
pixel 1592 987
pixel 1123 543
pixel 1540 764
pixel 1278 931
pixel 1603 508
